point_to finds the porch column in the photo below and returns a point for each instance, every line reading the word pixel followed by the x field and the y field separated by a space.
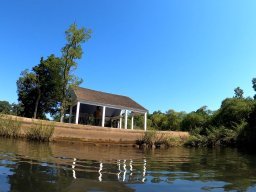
pixel 145 121
pixel 132 121
pixel 70 113
pixel 103 116
pixel 121 118
pixel 125 123
pixel 77 111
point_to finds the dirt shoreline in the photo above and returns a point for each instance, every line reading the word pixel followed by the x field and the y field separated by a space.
pixel 66 132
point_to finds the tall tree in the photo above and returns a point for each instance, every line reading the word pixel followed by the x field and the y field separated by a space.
pixel 71 52
pixel 238 93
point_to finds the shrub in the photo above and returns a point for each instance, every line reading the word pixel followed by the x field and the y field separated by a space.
pixel 196 140
pixel 148 139
pixel 216 136
pixel 152 139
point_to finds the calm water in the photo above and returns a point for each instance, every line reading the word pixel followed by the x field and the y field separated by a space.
pixel 70 167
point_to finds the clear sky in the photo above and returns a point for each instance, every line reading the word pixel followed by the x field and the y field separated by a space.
pixel 165 54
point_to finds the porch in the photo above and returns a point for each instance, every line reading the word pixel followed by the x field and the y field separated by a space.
pixel 96 108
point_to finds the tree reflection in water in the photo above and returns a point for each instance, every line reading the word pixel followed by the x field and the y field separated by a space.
pixel 60 167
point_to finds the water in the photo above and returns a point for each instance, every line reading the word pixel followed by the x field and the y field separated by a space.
pixel 67 167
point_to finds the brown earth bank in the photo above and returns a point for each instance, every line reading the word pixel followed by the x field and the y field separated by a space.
pixel 66 132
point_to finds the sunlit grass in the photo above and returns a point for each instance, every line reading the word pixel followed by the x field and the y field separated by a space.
pixel 154 139
pixel 40 131
pixel 9 127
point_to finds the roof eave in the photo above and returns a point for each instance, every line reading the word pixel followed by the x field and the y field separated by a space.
pixel 111 106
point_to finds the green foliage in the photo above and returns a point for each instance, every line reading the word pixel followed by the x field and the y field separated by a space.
pixel 159 120
pixel 10 109
pixel 196 140
pixel 38 90
pixel 9 127
pixel 174 120
pixel 195 119
pixel 254 86
pixel 27 93
pixel 71 52
pixel 170 120
pixel 154 139
pixel 5 107
pixel 225 127
pixel 247 136
pixel 40 131
pixel 216 136
pixel 46 88
pixel 149 138
pixel 233 124
pixel 238 93
pixel 233 111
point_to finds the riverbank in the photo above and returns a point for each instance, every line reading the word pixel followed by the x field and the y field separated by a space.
pixel 66 132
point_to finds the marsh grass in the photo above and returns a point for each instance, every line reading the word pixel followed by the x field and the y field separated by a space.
pixel 148 138
pixel 153 139
pixel 40 131
pixel 9 127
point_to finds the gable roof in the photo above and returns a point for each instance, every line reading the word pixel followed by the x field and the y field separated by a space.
pixel 107 99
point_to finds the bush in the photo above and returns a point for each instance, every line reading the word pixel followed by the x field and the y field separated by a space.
pixel 40 131
pixel 233 111
pixel 196 140
pixel 148 139
pixel 216 136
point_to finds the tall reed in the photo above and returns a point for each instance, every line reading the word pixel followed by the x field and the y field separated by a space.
pixel 9 127
pixel 153 139
pixel 40 131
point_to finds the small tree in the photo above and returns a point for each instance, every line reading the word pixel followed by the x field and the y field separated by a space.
pixel 5 107
pixel 238 93
pixel 254 86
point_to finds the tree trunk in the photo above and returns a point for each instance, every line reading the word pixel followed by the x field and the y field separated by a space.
pixel 62 110
pixel 37 102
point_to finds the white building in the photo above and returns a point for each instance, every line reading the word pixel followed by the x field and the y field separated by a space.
pixel 113 109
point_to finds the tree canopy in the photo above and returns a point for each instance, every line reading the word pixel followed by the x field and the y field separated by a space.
pixel 38 90
pixel 46 88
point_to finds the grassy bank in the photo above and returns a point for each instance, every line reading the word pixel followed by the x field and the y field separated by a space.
pixel 10 127
pixel 40 131
pixel 32 129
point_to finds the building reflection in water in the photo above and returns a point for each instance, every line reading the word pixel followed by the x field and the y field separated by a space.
pixel 100 174
pixel 119 170
pixel 125 171
pixel 144 170
pixel 73 168
pixel 131 167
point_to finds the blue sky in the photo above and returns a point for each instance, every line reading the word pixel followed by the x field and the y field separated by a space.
pixel 165 54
